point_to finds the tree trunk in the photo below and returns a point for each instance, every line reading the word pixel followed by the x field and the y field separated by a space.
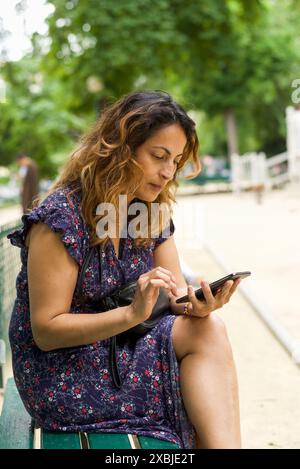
pixel 232 140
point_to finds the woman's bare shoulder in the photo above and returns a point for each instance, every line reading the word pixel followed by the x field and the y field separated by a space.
pixel 37 231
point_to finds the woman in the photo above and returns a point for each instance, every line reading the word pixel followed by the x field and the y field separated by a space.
pixel 59 336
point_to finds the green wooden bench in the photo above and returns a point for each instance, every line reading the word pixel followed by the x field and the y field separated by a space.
pixel 16 432
pixel 9 268
pixel 2 361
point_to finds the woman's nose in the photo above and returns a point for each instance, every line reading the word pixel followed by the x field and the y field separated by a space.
pixel 167 171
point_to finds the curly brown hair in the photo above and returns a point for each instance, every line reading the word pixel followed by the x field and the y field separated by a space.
pixel 103 163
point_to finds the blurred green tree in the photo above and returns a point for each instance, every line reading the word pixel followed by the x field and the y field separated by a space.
pixel 33 119
pixel 241 59
pixel 228 57
pixel 232 59
pixel 102 49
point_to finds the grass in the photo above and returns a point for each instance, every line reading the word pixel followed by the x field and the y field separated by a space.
pixel 8 203
pixel 4 180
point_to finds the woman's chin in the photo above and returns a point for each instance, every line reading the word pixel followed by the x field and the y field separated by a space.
pixel 147 197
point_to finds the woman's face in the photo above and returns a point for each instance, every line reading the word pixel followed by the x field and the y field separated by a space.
pixel 159 157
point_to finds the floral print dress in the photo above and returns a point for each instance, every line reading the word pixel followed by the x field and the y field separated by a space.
pixel 71 389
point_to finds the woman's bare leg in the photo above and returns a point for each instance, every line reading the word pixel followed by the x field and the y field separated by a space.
pixel 208 380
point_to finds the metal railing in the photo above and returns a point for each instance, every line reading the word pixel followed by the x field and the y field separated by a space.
pixel 9 267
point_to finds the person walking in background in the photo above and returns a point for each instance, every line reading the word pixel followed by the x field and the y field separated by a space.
pixel 30 181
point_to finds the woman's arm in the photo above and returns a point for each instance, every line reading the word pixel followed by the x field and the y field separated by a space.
pixel 52 276
pixel 166 255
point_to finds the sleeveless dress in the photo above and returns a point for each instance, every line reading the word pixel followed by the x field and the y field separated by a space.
pixel 71 389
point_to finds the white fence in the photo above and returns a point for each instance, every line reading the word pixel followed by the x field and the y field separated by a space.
pixel 254 170
pixel 293 141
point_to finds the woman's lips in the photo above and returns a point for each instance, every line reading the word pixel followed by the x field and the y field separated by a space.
pixel 155 186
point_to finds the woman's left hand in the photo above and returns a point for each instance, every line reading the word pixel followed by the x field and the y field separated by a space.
pixel 201 309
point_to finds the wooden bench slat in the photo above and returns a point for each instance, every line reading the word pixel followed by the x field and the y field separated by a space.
pixel 15 422
pixel 60 440
pixel 108 441
pixel 154 443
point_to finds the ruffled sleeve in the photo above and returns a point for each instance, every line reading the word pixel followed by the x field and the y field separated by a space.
pixel 62 216
pixel 166 233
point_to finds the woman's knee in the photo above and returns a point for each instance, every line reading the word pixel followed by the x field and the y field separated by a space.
pixel 214 336
pixel 202 335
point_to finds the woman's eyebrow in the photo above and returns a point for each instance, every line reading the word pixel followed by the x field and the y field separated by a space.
pixel 166 150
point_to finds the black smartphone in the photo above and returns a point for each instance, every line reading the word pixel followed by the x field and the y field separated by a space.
pixel 214 286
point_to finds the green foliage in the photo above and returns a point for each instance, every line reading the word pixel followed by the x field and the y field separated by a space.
pixel 33 119
pixel 112 40
pixel 211 56
pixel 4 180
pixel 243 59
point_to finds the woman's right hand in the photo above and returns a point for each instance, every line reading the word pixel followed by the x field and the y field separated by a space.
pixel 147 292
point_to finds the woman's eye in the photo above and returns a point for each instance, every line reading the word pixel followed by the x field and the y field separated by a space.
pixel 161 158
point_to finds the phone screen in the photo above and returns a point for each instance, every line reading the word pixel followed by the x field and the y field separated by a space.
pixel 215 286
